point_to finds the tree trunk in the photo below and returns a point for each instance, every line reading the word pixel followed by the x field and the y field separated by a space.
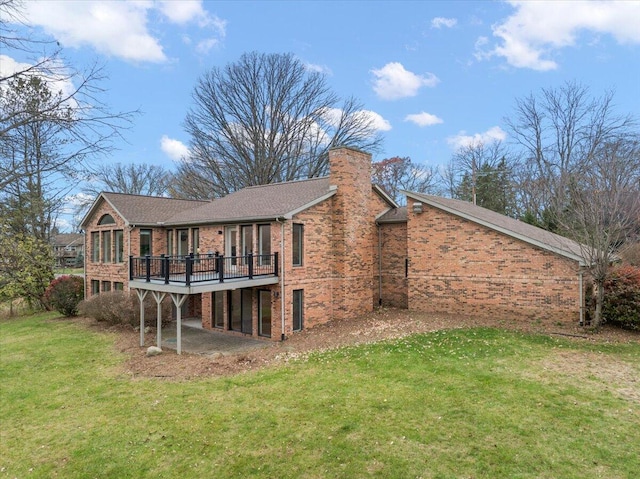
pixel 597 317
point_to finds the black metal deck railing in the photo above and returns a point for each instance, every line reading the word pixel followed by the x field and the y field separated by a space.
pixel 200 268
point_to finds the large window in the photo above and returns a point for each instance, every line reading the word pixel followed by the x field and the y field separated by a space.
pixel 95 247
pixel 247 239
pixel 264 243
pixel 118 239
pixel 298 309
pixel 218 309
pixel 195 240
pixel 106 246
pixel 264 311
pixel 169 242
pixel 298 244
pixel 183 242
pixel 145 242
pixel 240 303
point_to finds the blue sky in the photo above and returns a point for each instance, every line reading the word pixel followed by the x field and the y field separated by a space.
pixel 433 75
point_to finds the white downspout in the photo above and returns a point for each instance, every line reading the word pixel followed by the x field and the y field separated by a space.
pixel 282 254
pixel 379 265
pixel 581 286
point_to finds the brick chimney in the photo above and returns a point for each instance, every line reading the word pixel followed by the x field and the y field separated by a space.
pixel 353 231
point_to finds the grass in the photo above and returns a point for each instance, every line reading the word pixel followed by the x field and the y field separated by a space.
pixel 68 270
pixel 451 404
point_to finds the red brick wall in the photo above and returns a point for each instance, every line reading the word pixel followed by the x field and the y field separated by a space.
pixel 458 266
pixel 316 275
pixel 112 272
pixel 354 232
pixel 393 245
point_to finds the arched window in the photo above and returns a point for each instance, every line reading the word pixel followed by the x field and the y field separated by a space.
pixel 106 220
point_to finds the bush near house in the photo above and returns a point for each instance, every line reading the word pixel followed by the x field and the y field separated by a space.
pixel 64 294
pixel 622 297
pixel 119 307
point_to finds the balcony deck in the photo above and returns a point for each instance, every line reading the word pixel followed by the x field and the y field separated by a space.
pixel 194 274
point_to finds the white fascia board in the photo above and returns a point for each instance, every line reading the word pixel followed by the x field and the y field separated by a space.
pixel 500 229
pixel 384 195
pixel 382 214
pixel 95 205
pixel 326 196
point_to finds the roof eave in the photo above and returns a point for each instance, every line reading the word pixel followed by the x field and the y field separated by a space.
pixel 225 221
pixel 385 195
pixel 91 211
pixel 316 201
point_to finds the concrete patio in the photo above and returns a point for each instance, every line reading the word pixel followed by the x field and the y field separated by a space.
pixel 196 340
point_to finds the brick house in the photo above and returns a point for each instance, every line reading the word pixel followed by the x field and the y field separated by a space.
pixel 269 260
pixel 68 249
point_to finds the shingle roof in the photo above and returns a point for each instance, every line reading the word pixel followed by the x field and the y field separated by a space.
pixel 144 210
pixel 67 239
pixel 509 226
pixel 263 202
pixel 394 215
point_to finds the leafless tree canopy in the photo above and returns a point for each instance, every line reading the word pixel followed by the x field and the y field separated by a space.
pixel 559 131
pixel 265 119
pixel 75 104
pixel 132 179
pixel 482 173
pixel 397 174
pixel 581 171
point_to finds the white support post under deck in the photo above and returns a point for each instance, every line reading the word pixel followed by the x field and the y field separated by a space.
pixel 178 300
pixel 158 296
pixel 141 295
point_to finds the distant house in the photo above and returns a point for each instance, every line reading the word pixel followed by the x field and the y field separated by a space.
pixel 68 249
pixel 270 260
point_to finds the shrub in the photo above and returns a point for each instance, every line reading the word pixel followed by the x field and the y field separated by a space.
pixel 622 297
pixel 630 254
pixel 64 294
pixel 119 307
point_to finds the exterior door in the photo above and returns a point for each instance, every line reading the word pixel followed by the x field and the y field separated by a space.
pixel 264 313
pixel 240 303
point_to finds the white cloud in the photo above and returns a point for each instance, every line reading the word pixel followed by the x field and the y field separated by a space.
pixel 423 119
pixel 57 82
pixel 393 81
pixel 529 37
pixel 183 12
pixel 112 28
pixel 378 122
pixel 174 149
pixel 462 140
pixel 8 66
pixel 205 46
pixel 312 67
pixel 120 29
pixel 333 116
pixel 439 22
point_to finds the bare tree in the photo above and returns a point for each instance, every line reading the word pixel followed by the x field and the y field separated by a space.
pixel 75 104
pixel 482 173
pixel 581 172
pixel 604 210
pixel 396 174
pixel 558 132
pixel 265 119
pixel 132 179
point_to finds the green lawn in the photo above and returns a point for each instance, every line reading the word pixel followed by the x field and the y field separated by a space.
pixel 453 404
